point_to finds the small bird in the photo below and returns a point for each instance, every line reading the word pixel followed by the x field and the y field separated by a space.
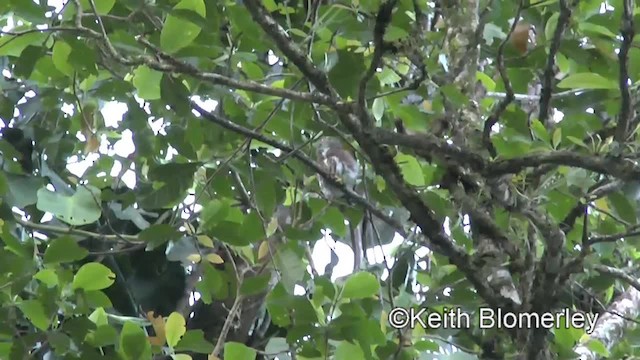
pixel 338 162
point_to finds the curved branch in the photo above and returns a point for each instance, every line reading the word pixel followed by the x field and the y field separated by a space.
pixel 619 168
pixel 289 48
pixel 352 195
pixel 132 239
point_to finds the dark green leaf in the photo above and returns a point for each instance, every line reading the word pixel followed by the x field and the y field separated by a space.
pixel 64 249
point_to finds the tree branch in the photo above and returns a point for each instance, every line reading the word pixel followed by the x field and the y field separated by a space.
pixel 352 195
pixel 618 274
pixel 132 239
pixel 619 168
pixel 431 144
pixel 502 105
pixel 382 21
pixel 289 48
pixel 550 69
pixel 623 57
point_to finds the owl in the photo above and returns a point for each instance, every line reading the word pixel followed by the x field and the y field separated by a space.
pixel 339 162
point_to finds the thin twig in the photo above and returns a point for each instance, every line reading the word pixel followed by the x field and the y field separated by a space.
pixel 502 105
pixel 550 68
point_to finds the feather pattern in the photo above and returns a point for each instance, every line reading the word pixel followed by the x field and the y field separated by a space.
pixel 339 162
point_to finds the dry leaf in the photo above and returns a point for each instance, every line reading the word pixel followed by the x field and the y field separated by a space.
pixel 212 357
pixel 214 259
pixel 86 120
pixel 189 228
pixel 205 241
pixel 263 250
pixel 92 144
pixel 158 328
pixel 194 258
pixel 521 36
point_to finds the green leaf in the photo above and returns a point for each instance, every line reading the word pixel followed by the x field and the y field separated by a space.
pixel 577 141
pixel 255 284
pixel 360 285
pixel 290 260
pixel 60 56
pixel 598 347
pixel 193 340
pixel 93 276
pixel 487 81
pixel 411 169
pixel 133 342
pixel 266 197
pixel 378 108
pixel 587 81
pixel 540 131
pixel 454 95
pixel 34 311
pixel 172 189
pixel 23 191
pixel 213 212
pixel 64 249
pixel 394 33
pixel 238 351
pixel 174 92
pixel 47 277
pixel 99 317
pixel 147 82
pixel 589 28
pixel 388 77
pixel 12 243
pixel 102 6
pixel 81 208
pixel 623 207
pixel 104 335
pixel 175 328
pixel 4 184
pixel 14 45
pixel 551 25
pixel 156 235
pixel 348 351
pixel 270 5
pixel 557 137
pixel 334 219
pixel 252 230
pixel 177 32
pixel 181 357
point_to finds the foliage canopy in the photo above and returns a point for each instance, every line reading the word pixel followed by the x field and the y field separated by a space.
pixel 509 153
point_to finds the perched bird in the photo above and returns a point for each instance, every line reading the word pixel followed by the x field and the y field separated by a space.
pixel 338 162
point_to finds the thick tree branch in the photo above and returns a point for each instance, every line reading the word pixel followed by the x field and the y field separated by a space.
pixel 611 325
pixel 438 241
pixel 289 48
pixel 619 168
pixel 627 31
pixel 633 231
pixel 618 274
pixel 431 144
